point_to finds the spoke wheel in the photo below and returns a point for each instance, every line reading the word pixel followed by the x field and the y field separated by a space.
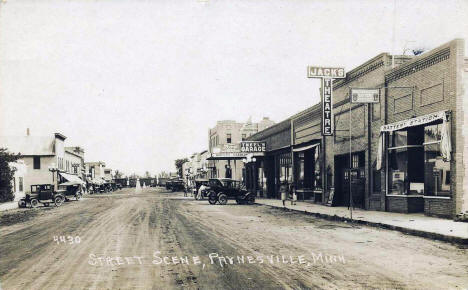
pixel 222 199
pixel 58 200
pixel 212 199
pixel 34 203
pixel 251 199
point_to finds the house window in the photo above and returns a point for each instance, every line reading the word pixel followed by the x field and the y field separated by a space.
pixel 37 162
pixel 14 184
pixel 228 139
pixel 20 183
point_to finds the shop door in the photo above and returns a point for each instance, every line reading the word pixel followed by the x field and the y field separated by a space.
pixel 342 180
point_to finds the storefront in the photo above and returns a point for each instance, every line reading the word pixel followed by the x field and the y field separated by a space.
pixel 266 172
pixel 417 156
pixel 308 170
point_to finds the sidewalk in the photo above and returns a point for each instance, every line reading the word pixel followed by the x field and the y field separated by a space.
pixel 8 205
pixel 414 224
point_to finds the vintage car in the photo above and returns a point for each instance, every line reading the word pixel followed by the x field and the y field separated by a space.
pixel 222 189
pixel 196 187
pixel 42 193
pixel 71 191
pixel 177 184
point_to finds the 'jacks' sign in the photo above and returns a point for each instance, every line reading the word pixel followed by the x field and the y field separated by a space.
pixel 326 72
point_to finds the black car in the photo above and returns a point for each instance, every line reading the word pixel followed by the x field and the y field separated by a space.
pixel 175 184
pixel 223 189
pixel 42 193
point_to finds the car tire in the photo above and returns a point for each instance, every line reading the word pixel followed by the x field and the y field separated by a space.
pixel 78 196
pixel 222 199
pixel 21 203
pixel 212 199
pixel 34 203
pixel 250 199
pixel 58 200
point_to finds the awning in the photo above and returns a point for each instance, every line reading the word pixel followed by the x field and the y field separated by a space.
pixel 421 120
pixel 304 148
pixel 233 155
pixel 71 179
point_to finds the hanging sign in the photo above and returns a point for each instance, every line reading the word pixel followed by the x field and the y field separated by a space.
pixel 253 146
pixel 327 107
pixel 414 122
pixel 365 95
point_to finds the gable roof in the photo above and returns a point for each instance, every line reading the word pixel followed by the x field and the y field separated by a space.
pixel 29 145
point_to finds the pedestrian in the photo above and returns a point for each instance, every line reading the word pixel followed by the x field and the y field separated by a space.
pixel 284 192
pixel 292 190
pixel 201 190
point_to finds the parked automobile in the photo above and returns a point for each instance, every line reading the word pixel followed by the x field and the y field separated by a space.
pixel 71 191
pixel 42 193
pixel 177 184
pixel 223 189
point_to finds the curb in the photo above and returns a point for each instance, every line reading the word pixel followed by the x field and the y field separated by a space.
pixel 414 232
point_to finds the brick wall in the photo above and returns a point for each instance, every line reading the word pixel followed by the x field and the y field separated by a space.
pixel 438 207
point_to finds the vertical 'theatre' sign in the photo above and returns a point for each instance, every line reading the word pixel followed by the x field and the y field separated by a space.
pixel 327 112
pixel 327 74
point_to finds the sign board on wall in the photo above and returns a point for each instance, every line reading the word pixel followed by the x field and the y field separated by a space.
pixel 327 107
pixel 326 72
pixel 252 146
pixel 365 95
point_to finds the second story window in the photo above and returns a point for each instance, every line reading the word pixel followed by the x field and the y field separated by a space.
pixel 228 138
pixel 37 162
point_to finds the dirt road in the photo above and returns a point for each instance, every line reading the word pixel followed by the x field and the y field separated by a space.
pixel 157 240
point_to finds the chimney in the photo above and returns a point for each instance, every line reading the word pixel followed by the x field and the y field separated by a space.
pixel 27 131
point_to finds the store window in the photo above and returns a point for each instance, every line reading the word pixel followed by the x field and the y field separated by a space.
pixel 436 169
pixel 285 168
pixel 317 168
pixel 37 162
pixel 416 166
pixel 20 183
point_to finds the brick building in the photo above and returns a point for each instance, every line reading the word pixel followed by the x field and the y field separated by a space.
pixel 226 135
pixel 406 151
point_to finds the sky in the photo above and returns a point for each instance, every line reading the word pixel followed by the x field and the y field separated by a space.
pixel 138 84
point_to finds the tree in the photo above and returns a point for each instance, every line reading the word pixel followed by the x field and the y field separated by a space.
pixel 178 165
pixel 6 174
pixel 118 174
pixel 147 174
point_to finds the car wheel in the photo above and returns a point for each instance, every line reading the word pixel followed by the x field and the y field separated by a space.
pixel 250 199
pixel 212 199
pixel 58 200
pixel 222 199
pixel 78 196
pixel 21 203
pixel 34 202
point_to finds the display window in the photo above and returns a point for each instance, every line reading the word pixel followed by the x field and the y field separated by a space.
pixel 415 162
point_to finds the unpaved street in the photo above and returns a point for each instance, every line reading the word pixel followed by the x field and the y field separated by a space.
pixel 159 240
